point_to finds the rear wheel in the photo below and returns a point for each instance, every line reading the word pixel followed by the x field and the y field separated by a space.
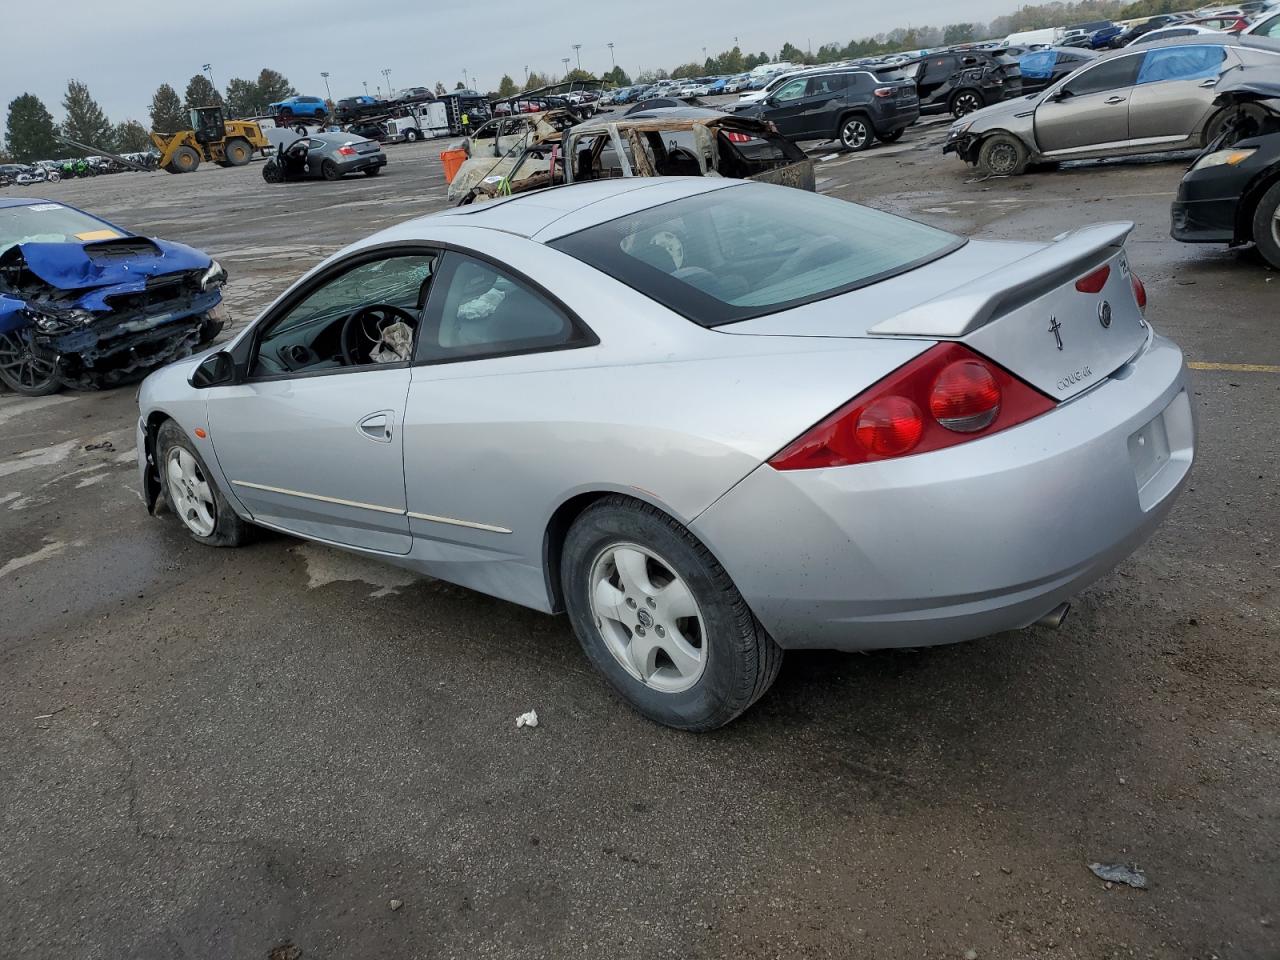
pixel 372 171
pixel 329 170
pixel 893 136
pixel 1266 226
pixel 964 102
pixel 660 618
pixel 191 493
pixel 22 370
pixel 238 151
pixel 1003 156
pixel 184 160
pixel 855 133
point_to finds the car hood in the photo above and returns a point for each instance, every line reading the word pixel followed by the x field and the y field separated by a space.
pixel 107 263
pixel 1004 115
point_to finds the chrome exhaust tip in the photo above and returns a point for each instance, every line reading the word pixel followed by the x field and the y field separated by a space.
pixel 1053 619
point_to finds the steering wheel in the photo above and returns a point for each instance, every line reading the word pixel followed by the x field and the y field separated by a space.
pixel 383 314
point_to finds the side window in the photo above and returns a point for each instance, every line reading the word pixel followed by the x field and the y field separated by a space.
pixel 1189 62
pixel 938 69
pixel 478 310
pixel 1269 28
pixel 1038 64
pixel 832 83
pixel 790 91
pixel 366 315
pixel 1108 75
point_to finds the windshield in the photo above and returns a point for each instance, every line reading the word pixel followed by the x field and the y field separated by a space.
pixel 750 250
pixel 50 223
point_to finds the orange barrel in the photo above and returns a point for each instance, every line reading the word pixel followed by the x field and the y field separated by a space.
pixel 452 160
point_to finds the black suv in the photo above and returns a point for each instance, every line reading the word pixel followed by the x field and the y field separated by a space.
pixel 960 81
pixel 854 106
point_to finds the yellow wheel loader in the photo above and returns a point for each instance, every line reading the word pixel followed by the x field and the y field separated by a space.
pixel 228 143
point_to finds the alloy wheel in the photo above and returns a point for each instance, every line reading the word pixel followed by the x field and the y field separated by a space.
pixel 648 617
pixel 23 369
pixel 854 134
pixel 190 492
pixel 965 103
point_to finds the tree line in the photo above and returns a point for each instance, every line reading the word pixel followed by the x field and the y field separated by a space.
pixel 31 134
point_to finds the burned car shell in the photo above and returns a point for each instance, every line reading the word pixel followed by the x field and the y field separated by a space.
pixel 1218 198
pixel 495 157
pixel 93 310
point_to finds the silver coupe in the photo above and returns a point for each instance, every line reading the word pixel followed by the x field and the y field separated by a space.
pixel 709 419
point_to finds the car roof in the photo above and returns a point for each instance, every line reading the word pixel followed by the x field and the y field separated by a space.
pixel 545 215
pixel 22 201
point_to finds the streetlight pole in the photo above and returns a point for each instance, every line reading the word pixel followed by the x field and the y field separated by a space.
pixel 208 68
pixel 366 87
pixel 577 48
pixel 565 61
pixel 328 92
pixel 612 59
pixel 465 82
pixel 386 75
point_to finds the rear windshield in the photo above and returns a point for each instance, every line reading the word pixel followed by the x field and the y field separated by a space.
pixel 751 250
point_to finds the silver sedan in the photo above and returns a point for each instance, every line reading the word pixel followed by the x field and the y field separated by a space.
pixel 710 420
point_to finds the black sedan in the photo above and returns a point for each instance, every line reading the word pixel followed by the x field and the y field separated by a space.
pixel 1231 194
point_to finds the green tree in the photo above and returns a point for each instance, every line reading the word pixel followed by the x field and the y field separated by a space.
pixel 30 130
pixel 131 137
pixel 460 86
pixel 85 120
pixel 507 87
pixel 618 77
pixel 578 74
pixel 440 89
pixel 273 87
pixel 167 115
pixel 686 70
pixel 201 93
pixel 731 61
pixel 242 98
pixel 957 33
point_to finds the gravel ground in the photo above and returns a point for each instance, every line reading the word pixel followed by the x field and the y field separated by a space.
pixel 228 753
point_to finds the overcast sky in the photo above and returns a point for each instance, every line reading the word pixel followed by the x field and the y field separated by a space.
pixel 124 49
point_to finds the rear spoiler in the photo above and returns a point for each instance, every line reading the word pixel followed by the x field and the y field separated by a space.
pixel 959 312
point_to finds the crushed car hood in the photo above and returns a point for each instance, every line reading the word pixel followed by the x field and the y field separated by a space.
pixel 106 263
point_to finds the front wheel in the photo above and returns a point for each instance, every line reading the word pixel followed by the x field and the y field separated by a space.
pixel 856 134
pixel 661 619
pixel 1266 226
pixel 272 173
pixel 1003 156
pixel 23 370
pixel 54 176
pixel 192 494
pixel 966 102
pixel 411 136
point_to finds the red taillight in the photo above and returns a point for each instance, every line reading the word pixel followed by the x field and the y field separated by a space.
pixel 884 91
pixel 1094 282
pixel 1139 291
pixel 733 136
pixel 945 396
pixel 966 397
pixel 347 151
pixel 889 427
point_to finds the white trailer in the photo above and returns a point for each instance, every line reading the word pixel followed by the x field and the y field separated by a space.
pixel 421 121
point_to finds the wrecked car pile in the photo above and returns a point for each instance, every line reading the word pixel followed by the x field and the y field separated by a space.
pixel 85 303
pixel 668 142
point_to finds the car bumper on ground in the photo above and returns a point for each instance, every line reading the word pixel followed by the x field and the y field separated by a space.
pixel 964 542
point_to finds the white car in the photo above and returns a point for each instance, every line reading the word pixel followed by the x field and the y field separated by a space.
pixel 753 96
pixel 1267 25
pixel 1173 32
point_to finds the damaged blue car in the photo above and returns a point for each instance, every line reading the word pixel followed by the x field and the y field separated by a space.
pixel 85 303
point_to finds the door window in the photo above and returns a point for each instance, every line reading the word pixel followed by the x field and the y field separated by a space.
pixel 1108 75
pixel 366 315
pixel 1268 28
pixel 1190 62
pixel 1037 65
pixel 478 310
pixel 790 91
pixel 939 69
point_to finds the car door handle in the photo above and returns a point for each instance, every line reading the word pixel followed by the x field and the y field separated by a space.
pixel 1115 100
pixel 1211 82
pixel 377 426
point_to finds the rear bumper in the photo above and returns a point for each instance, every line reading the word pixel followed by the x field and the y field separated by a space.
pixel 964 542
pixel 363 162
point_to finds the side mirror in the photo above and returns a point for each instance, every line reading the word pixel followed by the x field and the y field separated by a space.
pixel 217 369
pixel 1063 94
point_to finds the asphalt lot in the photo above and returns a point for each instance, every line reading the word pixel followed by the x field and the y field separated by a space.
pixel 220 753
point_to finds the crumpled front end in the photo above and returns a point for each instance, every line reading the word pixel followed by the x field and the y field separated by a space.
pixel 963 144
pixel 124 316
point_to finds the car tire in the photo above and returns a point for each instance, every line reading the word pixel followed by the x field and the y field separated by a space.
pixel 238 151
pixel 411 136
pixel 209 330
pixel 192 495
pixel 372 171
pixel 621 549
pixel 1266 226
pixel 1213 128
pixel 856 133
pixel 1003 156
pixel 965 102
pixel 893 136
pixel 272 173
pixel 24 373
pixel 329 170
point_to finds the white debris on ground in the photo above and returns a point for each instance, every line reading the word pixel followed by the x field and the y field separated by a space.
pixel 529 719
pixel 327 565
pixel 50 549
